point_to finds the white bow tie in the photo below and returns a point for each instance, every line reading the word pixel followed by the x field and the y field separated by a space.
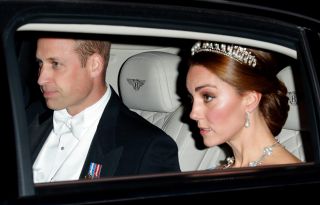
pixel 64 123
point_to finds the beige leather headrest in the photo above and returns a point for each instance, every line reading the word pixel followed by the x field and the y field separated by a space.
pixel 148 82
pixel 293 121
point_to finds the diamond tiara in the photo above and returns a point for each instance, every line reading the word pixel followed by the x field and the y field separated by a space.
pixel 235 52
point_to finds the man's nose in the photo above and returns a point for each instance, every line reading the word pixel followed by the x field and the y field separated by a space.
pixel 43 75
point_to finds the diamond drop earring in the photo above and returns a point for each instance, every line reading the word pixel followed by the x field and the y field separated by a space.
pixel 247 123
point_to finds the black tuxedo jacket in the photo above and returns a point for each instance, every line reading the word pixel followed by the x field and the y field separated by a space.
pixel 124 143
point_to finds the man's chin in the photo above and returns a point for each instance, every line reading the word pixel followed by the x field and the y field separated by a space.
pixel 54 106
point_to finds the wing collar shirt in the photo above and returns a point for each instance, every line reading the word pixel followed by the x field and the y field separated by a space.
pixel 64 152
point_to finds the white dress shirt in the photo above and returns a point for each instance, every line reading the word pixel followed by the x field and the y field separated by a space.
pixel 65 150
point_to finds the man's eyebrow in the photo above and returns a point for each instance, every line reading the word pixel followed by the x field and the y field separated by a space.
pixel 47 59
pixel 52 59
pixel 204 86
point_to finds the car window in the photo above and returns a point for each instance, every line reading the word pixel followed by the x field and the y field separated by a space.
pixel 165 52
pixel 193 154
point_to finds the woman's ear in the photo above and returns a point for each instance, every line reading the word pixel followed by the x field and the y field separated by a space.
pixel 95 64
pixel 252 99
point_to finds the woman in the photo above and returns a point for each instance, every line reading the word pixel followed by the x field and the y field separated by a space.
pixel 238 100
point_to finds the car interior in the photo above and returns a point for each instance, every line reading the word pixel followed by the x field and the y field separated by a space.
pixel 148 73
pixel 151 44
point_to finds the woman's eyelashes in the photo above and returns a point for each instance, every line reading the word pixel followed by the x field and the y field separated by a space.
pixel 207 97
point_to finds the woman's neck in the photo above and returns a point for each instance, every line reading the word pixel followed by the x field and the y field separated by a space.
pixel 250 147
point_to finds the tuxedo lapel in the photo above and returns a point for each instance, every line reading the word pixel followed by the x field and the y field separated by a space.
pixel 103 149
pixel 39 131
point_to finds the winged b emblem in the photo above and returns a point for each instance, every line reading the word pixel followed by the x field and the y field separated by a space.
pixel 136 83
pixel 292 98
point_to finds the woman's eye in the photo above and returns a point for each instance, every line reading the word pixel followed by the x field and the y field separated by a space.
pixel 207 98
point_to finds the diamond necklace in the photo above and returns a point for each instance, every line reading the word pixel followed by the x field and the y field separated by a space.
pixel 267 151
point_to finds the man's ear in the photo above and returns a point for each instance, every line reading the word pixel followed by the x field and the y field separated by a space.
pixel 252 99
pixel 95 63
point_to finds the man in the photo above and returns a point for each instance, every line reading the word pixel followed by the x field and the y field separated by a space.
pixel 91 133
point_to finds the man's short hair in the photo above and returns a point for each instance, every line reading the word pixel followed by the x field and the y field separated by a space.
pixel 86 48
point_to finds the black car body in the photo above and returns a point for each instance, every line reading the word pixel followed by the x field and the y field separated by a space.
pixel 186 21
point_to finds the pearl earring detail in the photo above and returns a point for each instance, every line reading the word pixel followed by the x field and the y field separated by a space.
pixel 247 122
